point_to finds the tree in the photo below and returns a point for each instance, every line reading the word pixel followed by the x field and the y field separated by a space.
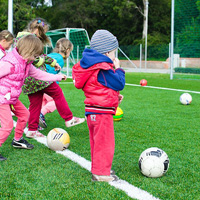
pixel 23 12
pixel 121 17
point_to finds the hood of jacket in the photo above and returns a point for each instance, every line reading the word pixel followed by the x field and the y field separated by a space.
pixel 92 57
pixel 91 61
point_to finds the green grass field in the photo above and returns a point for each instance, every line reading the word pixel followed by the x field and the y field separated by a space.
pixel 152 118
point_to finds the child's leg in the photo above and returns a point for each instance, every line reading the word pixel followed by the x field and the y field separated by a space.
pixel 6 122
pixel 34 109
pixel 22 113
pixel 56 93
pixel 102 143
pixel 48 105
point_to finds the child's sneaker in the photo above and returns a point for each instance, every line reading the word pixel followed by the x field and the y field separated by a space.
pixel 74 121
pixel 2 158
pixel 112 172
pixel 40 128
pixel 104 178
pixel 22 144
pixel 42 122
pixel 34 134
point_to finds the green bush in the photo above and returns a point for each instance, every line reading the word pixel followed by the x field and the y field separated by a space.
pixel 187 70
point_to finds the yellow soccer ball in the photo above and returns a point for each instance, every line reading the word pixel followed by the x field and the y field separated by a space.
pixel 119 114
pixel 58 139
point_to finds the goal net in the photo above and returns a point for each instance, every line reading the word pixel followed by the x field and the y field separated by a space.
pixel 186 39
pixel 80 40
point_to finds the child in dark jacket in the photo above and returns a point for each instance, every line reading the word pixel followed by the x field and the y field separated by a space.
pixel 99 75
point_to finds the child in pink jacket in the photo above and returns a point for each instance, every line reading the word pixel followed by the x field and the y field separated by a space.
pixel 14 68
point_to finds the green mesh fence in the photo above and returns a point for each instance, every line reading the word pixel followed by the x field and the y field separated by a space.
pixel 80 40
pixel 187 37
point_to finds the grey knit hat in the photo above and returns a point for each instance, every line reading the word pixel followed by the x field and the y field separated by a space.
pixel 103 41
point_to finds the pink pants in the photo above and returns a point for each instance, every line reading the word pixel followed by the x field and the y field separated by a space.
pixel 35 99
pixel 21 112
pixel 102 143
pixel 48 104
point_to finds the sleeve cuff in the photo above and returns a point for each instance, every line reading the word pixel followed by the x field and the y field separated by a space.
pixel 40 62
pixel 53 63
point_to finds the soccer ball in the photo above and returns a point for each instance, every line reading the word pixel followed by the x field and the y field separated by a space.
pixel 153 162
pixel 185 98
pixel 143 82
pixel 119 114
pixel 58 139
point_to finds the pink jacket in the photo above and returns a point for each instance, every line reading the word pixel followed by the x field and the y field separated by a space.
pixel 13 71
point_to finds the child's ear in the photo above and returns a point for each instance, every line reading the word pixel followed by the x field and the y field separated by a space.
pixel 107 53
pixel 3 41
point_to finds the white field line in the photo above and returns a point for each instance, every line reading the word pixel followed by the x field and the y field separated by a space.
pixel 160 88
pixel 129 189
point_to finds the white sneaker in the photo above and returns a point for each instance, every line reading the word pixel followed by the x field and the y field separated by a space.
pixel 104 178
pixel 34 134
pixel 74 121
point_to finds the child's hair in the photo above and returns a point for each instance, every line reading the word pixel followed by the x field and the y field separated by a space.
pixel 42 26
pixel 6 35
pixel 63 45
pixel 29 45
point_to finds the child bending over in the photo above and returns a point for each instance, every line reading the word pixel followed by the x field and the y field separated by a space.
pixel 14 68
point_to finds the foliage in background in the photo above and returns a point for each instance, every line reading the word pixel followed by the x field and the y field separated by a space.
pixel 186 28
pixel 23 12
pixel 121 17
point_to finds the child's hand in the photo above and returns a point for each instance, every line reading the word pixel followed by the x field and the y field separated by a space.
pixel 64 77
pixel 57 67
pixel 120 98
pixel 116 63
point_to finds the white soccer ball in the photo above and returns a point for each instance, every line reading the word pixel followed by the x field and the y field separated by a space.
pixel 153 162
pixel 58 139
pixel 185 98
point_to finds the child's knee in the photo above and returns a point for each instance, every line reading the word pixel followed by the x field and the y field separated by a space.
pixel 25 116
pixel 9 126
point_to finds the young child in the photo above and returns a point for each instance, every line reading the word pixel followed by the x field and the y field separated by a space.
pixel 61 51
pixel 36 88
pixel 14 68
pixel 6 40
pixel 99 75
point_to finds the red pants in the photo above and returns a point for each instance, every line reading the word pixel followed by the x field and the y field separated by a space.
pixel 35 99
pixel 102 142
pixel 21 112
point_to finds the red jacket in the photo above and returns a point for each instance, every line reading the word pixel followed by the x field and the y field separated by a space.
pixel 99 99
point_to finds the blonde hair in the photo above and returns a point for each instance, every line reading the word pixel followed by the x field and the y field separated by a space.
pixel 6 35
pixel 42 26
pixel 63 45
pixel 29 46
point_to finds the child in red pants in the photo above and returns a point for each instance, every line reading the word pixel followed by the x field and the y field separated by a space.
pixel 36 88
pixel 99 75
pixel 61 51
pixel 14 68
